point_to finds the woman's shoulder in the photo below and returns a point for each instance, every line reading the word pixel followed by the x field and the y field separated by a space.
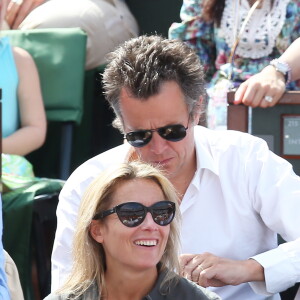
pixel 22 57
pixel 190 290
pixel 89 294
pixel 178 288
pixel 53 296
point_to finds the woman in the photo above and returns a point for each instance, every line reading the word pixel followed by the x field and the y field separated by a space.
pixel 122 252
pixel 24 120
pixel 107 23
pixel 211 27
pixel 23 114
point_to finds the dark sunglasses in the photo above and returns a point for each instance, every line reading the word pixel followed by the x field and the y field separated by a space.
pixel 140 138
pixel 132 214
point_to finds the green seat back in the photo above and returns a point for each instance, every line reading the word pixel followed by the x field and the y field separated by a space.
pixel 60 58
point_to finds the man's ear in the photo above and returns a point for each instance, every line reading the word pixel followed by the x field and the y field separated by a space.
pixel 200 109
pixel 96 231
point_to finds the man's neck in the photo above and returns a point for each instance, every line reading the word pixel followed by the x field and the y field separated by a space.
pixel 181 184
pixel 182 181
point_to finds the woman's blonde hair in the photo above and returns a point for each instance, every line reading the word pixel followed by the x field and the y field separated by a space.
pixel 88 255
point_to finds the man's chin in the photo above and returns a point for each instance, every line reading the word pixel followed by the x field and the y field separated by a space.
pixel 166 167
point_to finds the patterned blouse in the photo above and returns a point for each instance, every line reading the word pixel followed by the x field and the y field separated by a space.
pixel 209 41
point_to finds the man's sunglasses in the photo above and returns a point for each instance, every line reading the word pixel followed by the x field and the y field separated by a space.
pixel 132 214
pixel 140 138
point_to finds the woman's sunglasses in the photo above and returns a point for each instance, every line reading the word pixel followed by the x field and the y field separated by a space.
pixel 140 138
pixel 132 214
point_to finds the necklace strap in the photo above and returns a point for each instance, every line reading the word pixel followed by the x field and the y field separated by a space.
pixel 238 38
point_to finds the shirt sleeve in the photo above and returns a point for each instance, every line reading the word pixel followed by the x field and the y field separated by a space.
pixel 276 190
pixel 197 33
pixel 67 209
pixel 283 260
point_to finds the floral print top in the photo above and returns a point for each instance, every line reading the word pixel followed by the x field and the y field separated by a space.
pixel 210 45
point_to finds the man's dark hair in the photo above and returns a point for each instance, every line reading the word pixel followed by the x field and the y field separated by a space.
pixel 142 64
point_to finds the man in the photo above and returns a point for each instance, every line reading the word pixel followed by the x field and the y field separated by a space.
pixel 235 194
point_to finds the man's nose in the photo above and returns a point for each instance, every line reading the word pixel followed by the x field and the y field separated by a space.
pixel 157 143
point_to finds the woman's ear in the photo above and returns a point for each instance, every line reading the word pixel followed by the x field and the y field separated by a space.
pixel 96 232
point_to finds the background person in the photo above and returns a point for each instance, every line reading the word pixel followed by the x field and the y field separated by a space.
pixel 212 27
pixel 127 239
pixel 23 115
pixel 106 22
pixel 24 125
pixel 270 81
pixel 24 122
pixel 236 195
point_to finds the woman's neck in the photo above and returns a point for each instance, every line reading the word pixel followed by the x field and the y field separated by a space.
pixel 129 285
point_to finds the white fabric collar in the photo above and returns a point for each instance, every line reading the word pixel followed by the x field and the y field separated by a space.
pixel 204 154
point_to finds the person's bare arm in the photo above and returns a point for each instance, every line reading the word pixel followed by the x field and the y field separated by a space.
pixel 18 10
pixel 32 132
pixel 292 57
pixel 269 82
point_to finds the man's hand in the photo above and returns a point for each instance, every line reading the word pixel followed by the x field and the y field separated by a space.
pixel 18 10
pixel 263 89
pixel 209 270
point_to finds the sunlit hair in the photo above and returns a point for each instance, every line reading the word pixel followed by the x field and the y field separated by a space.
pixel 88 255
pixel 141 65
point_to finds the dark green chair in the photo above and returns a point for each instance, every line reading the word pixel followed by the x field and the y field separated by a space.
pixel 60 58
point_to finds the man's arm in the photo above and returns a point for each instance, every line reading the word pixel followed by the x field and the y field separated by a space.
pixel 282 260
pixel 210 270
pixel 263 272
pixel 61 261
pixel 274 194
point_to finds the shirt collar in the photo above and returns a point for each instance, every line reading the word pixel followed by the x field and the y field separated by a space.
pixel 204 144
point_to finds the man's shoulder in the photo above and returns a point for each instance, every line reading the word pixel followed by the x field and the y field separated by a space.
pixel 103 160
pixel 90 169
pixel 221 140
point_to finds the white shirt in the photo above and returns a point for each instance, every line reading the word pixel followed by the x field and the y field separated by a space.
pixel 241 196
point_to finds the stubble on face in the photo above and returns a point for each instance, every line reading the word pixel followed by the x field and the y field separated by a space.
pixel 178 159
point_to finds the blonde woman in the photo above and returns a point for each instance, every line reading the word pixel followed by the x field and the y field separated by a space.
pixel 126 241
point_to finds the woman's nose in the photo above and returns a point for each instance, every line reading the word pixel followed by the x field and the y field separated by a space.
pixel 148 223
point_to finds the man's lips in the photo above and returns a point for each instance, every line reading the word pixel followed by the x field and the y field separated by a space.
pixel 162 162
